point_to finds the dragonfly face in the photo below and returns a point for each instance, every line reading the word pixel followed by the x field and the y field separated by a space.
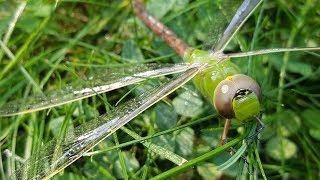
pixel 238 96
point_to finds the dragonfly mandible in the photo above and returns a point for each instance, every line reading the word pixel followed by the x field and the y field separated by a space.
pixel 233 95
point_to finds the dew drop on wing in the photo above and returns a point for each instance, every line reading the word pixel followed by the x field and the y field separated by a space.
pixel 39 176
pixel 10 109
pixel 84 93
pixel 75 149
pixel 70 153
pixel 28 107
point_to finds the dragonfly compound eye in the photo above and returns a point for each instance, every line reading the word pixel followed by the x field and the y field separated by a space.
pixel 237 97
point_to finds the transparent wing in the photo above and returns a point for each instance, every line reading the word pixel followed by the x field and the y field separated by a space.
pixel 104 81
pixel 58 154
pixel 241 15
pixel 219 20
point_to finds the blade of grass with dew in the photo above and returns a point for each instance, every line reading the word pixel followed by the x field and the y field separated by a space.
pixel 163 152
pixel 199 159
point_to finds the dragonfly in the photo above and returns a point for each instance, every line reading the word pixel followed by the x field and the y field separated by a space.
pixel 233 95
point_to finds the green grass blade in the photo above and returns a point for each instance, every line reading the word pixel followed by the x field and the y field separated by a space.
pixel 24 48
pixel 163 152
pixel 234 158
pixel 197 160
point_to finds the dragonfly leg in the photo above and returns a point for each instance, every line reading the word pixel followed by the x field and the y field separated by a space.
pixel 259 129
pixel 226 128
pixel 261 126
pixel 260 122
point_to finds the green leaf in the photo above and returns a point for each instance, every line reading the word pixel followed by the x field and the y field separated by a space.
pixel 311 118
pixel 188 104
pixel 56 123
pixel 97 169
pixel 40 9
pixel 211 137
pixel 131 52
pixel 184 140
pixel 208 171
pixel 267 133
pixel 290 121
pixel 132 164
pixel 68 175
pixel 180 5
pixel 294 66
pixel 166 141
pixel 166 117
pixel 28 23
pixel 300 67
pixel 160 8
pixel 315 133
pixel 276 145
pixel 4 21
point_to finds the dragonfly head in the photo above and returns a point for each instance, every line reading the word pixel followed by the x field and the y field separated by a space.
pixel 238 97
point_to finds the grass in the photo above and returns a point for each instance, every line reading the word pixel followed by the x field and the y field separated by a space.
pixel 53 45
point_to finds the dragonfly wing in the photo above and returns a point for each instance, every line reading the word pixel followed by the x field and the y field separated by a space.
pixel 58 154
pixel 241 15
pixel 104 81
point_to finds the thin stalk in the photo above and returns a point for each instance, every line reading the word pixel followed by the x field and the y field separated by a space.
pixel 259 163
pixel 121 158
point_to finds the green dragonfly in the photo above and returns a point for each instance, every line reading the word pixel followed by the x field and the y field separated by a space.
pixel 234 95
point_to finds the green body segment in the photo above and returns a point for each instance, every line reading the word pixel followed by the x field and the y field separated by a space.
pixel 207 81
